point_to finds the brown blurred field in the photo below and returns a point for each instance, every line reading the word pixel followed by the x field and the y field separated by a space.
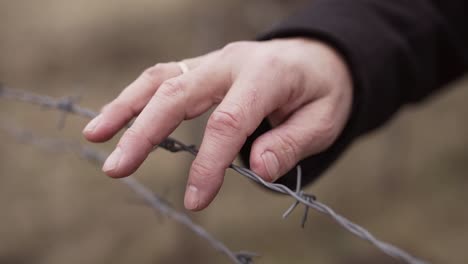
pixel 407 182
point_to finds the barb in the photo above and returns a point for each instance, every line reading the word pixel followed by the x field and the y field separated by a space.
pixel 153 200
pixel 309 201
pixel 66 105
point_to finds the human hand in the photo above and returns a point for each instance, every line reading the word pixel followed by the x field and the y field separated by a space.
pixel 302 86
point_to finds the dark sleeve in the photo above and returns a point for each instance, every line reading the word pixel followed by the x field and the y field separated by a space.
pixel 398 52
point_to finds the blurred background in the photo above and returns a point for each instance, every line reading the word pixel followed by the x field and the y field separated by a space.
pixel 407 182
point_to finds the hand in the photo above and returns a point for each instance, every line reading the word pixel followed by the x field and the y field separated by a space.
pixel 302 86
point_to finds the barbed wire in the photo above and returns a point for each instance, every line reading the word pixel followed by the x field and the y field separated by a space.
pixel 159 204
pixel 309 201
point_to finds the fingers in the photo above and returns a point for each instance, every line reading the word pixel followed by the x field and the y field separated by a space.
pixel 115 115
pixel 179 98
pixel 240 112
pixel 129 103
pixel 308 131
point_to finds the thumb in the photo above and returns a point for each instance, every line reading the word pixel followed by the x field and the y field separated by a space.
pixel 308 131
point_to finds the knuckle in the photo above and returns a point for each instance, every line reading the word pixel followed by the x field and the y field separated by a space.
pixel 271 60
pixel 202 173
pixel 280 69
pixel 172 88
pixel 234 47
pixel 131 134
pixel 226 122
pixel 153 73
pixel 273 67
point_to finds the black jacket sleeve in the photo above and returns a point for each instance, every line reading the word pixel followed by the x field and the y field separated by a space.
pixel 398 52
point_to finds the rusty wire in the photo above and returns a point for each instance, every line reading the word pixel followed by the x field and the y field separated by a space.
pixel 67 105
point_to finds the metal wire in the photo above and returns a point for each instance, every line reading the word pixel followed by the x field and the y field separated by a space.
pixel 173 145
pixel 159 204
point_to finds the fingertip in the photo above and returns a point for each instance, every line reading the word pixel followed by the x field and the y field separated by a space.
pixel 93 137
pixel 259 164
pixel 269 158
pixel 203 185
pixel 256 159
pixel 192 198
pixel 105 126
pixel 128 156
pixel 197 199
pixel 97 136
pixel 95 130
pixel 89 129
pixel 271 164
pixel 112 162
pixel 114 173
pixel 119 165
pixel 119 172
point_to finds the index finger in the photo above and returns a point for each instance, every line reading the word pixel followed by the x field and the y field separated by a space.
pixel 179 98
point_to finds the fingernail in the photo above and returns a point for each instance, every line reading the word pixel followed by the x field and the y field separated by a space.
pixel 191 197
pixel 271 164
pixel 113 160
pixel 92 125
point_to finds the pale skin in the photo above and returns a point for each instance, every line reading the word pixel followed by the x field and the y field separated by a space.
pixel 303 87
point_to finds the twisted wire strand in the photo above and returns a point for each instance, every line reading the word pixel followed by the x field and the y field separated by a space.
pixel 173 145
pixel 159 204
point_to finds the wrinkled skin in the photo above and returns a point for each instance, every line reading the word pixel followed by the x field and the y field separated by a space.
pixel 302 86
